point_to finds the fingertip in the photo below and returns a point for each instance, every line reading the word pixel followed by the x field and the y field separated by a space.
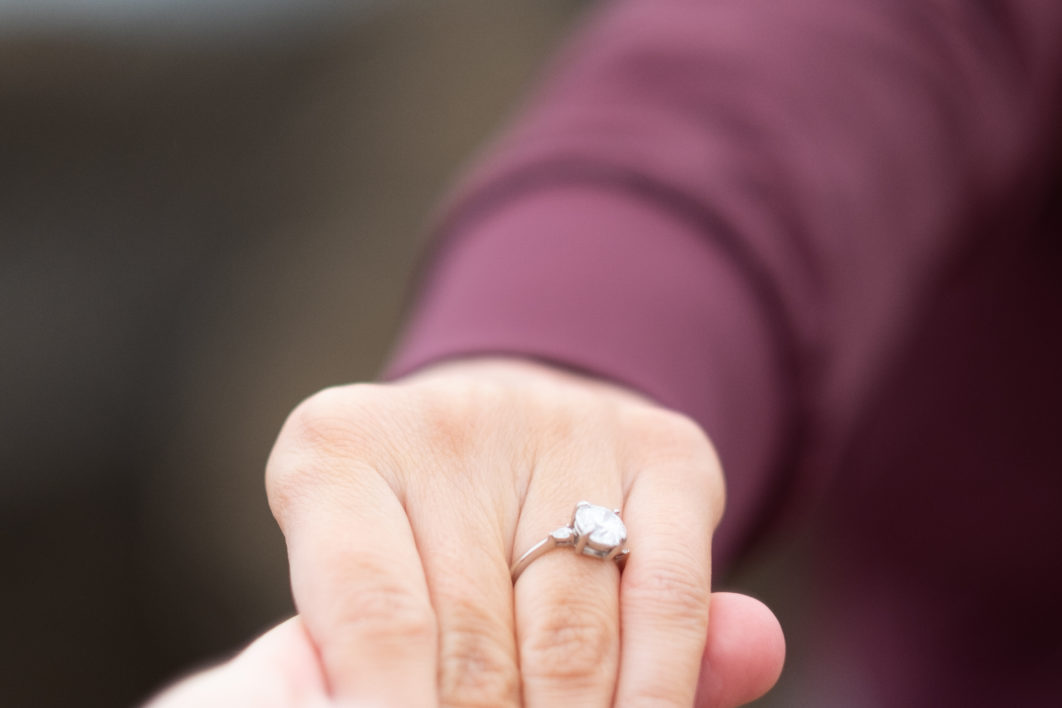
pixel 744 653
pixel 288 649
pixel 278 669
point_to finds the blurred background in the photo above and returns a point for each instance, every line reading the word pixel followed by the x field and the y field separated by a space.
pixel 209 209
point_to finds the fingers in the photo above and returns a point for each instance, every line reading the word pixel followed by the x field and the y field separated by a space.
pixel 567 609
pixel 744 655
pixel 355 573
pixel 277 670
pixel 665 591
pixel 404 587
pixel 357 580
pixel 465 557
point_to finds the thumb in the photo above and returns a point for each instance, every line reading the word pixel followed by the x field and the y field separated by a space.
pixel 744 653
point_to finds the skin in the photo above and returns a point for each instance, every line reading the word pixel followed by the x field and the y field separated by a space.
pixel 402 506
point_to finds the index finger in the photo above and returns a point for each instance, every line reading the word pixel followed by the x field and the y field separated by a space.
pixel 359 586
pixel 356 578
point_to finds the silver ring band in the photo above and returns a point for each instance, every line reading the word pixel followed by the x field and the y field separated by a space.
pixel 594 531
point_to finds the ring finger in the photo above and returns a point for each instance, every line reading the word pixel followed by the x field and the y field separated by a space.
pixel 567 607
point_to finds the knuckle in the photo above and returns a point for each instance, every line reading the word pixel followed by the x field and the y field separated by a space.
pixel 328 436
pixel 387 616
pixel 571 642
pixel 672 434
pixel 477 668
pixel 449 431
pixel 669 591
pixel 459 422
pixel 453 416
pixel 672 442
pixel 335 420
pixel 284 492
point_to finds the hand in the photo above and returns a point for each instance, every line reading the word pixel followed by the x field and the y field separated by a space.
pixel 281 669
pixel 404 504
pixel 278 670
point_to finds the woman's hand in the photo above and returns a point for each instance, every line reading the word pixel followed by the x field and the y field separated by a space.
pixel 404 505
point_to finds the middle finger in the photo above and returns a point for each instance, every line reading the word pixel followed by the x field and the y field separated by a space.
pixel 461 543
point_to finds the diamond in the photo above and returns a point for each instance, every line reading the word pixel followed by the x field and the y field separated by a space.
pixel 562 534
pixel 602 527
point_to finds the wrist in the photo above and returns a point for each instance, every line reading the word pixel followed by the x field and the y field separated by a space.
pixel 522 371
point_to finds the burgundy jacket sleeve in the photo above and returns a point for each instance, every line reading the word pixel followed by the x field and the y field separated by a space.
pixel 735 206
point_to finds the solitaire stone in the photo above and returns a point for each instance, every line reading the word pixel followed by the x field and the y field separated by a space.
pixel 603 527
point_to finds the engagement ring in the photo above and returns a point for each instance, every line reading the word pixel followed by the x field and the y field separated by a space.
pixel 595 531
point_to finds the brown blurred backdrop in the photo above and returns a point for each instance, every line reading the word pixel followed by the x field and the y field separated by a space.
pixel 198 227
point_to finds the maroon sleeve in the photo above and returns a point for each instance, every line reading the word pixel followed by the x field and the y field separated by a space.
pixel 734 206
